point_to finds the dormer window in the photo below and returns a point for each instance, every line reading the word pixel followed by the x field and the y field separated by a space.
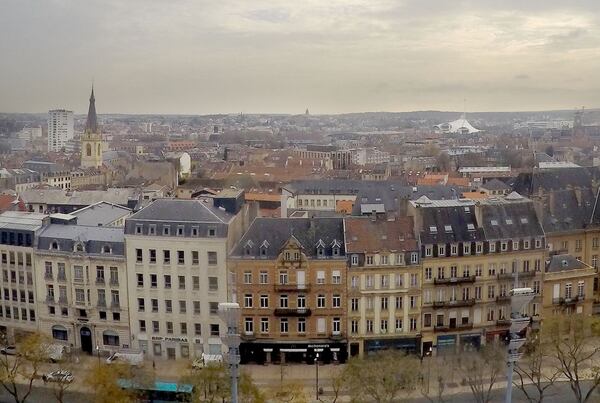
pixel 433 229
pixel 354 260
pixel 180 230
pixel 479 247
pixel 492 247
pixel 515 245
pixel 194 231
pixel 248 247
pixel 212 232
pixel 106 249
pixel 448 229
pixel 467 248
pixel 441 250
pixel 263 248
pixel 414 258
pixel 454 249
pixel 79 247
pixel 166 230
pixel 538 243
pixel 320 248
pixel 526 244
pixel 335 247
pixel 470 227
pixel 54 245
pixel 152 229
pixel 428 250
pixel 139 229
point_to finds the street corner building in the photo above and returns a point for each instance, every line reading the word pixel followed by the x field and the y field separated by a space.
pixel 289 277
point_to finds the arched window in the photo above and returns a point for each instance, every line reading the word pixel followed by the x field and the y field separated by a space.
pixel 110 338
pixel 88 149
pixel 60 333
pixel 54 245
pixel 106 249
pixel 79 247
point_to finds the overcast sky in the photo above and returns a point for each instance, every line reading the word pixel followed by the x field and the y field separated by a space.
pixel 332 56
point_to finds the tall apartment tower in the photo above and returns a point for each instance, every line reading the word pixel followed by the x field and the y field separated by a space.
pixel 91 139
pixel 60 128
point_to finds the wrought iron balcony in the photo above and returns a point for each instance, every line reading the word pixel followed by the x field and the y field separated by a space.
pixel 454 280
pixel 292 312
pixel 292 287
pixel 510 276
pixel 503 299
pixel 451 304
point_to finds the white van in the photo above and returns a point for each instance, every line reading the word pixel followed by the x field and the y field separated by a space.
pixel 130 357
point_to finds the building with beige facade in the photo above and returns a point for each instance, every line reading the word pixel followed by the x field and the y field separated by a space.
pixel 471 257
pixel 176 258
pixel 289 277
pixel 384 285
pixel 81 282
pixel 568 287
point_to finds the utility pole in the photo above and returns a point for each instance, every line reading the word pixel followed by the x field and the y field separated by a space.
pixel 229 312
pixel 519 298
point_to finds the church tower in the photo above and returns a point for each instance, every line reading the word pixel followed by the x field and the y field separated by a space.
pixel 91 139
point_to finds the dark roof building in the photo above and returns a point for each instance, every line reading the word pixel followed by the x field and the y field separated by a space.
pixel 511 217
pixel 319 238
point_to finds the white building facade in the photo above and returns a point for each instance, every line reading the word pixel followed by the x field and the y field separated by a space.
pixel 60 129
pixel 176 257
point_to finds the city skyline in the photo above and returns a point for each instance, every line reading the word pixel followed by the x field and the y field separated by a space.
pixel 343 56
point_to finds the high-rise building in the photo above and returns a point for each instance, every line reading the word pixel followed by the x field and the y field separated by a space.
pixel 60 128
pixel 91 139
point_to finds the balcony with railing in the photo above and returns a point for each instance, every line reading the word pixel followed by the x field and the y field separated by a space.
pixel 292 312
pixel 503 299
pixel 100 281
pixel 114 282
pixel 568 301
pixel 292 287
pixel 510 276
pixel 48 276
pixel 452 304
pixel 102 303
pixel 454 280
pixel 336 335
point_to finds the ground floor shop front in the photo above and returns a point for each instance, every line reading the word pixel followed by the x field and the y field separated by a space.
pixel 298 352
pixel 366 347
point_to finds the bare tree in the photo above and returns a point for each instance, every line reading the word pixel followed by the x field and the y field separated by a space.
pixel 336 377
pixel 575 341
pixel 534 374
pixel 383 377
pixel 481 369
pixel 103 380
pixel 24 366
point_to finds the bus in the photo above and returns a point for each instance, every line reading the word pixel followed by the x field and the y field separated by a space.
pixel 159 391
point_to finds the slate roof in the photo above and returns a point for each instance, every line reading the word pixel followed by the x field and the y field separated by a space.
pixel 527 184
pixel 275 232
pixel 100 214
pixel 451 224
pixel 79 198
pixel 93 238
pixel 20 220
pixel 180 210
pixel 565 262
pixel 563 211
pixel 365 235
pixel 504 219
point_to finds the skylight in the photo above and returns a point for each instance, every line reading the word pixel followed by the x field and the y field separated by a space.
pixel 448 228
pixel 494 222
pixel 433 229
pixel 470 227
pixel 524 220
pixel 509 221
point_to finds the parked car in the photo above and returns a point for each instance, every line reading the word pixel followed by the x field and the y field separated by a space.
pixel 8 350
pixel 131 357
pixel 207 359
pixel 61 375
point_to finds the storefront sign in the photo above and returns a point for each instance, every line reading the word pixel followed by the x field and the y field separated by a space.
pixel 176 339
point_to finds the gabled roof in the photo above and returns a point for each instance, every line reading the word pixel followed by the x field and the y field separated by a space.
pixel 278 231
pixel 363 235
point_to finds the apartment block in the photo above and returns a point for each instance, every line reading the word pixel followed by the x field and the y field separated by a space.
pixel 289 277
pixel 176 259
pixel 81 280
pixel 473 254
pixel 384 285
pixel 19 303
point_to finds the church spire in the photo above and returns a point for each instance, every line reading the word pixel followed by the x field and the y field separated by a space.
pixel 91 125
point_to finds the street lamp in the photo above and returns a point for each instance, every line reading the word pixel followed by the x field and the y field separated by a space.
pixel 229 312
pixel 317 375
